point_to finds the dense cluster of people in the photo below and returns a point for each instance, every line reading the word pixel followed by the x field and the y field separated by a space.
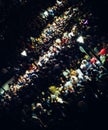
pixel 67 68
pixel 51 11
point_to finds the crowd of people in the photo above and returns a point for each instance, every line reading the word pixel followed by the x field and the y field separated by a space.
pixel 52 11
pixel 68 67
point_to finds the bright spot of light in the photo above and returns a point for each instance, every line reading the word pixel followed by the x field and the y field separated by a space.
pixel 24 53
pixel 80 39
